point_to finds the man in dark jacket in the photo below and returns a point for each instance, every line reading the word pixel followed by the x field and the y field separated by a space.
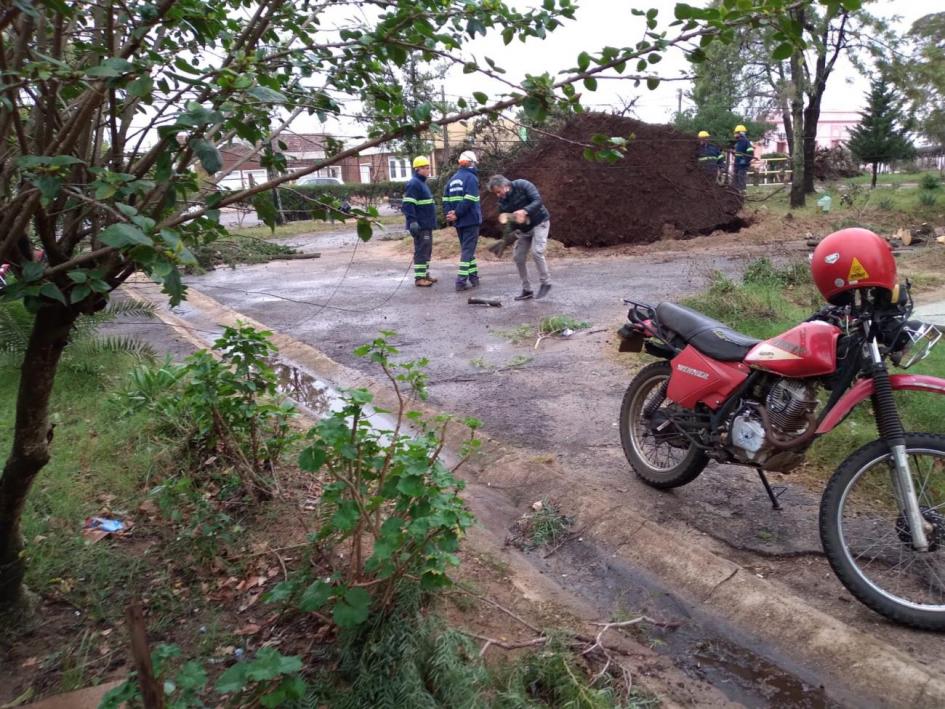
pixel 420 212
pixel 744 154
pixel 461 205
pixel 710 157
pixel 520 202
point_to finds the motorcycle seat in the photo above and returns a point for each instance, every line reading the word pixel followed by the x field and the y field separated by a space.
pixel 711 337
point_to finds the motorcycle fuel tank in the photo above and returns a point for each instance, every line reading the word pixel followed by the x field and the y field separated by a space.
pixel 808 350
pixel 698 378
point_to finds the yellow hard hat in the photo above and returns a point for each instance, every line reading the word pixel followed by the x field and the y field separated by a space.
pixel 420 162
pixel 703 134
pixel 740 128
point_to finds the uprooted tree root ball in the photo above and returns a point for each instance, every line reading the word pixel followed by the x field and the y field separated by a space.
pixel 657 190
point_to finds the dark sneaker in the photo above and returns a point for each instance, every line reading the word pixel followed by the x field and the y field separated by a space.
pixel 543 290
pixel 463 285
pixel 423 283
pixel 525 295
pixel 474 281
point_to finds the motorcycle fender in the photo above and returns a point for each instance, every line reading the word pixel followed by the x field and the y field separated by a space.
pixel 863 389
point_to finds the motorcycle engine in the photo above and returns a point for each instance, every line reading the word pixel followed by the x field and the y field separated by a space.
pixel 788 407
pixel 790 403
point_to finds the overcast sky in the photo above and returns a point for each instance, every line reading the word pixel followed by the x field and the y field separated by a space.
pixel 601 23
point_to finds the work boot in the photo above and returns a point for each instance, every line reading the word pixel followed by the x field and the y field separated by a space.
pixel 525 295
pixel 474 281
pixel 543 290
pixel 432 279
pixel 462 284
pixel 423 282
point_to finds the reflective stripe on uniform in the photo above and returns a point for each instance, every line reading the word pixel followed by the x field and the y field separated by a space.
pixel 471 198
pixel 413 200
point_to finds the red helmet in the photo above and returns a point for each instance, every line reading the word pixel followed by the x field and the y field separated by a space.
pixel 852 258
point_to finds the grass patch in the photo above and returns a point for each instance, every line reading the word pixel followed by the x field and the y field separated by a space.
pixel 308 226
pixel 545 525
pixel 559 323
pixel 517 335
pixel 895 178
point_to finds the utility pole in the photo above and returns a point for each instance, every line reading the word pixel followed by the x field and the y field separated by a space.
pixel 678 100
pixel 446 128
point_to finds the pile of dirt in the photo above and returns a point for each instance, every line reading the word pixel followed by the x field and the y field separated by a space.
pixel 657 190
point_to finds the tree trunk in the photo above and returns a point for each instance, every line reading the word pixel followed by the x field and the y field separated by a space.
pixel 797 115
pixel 811 118
pixel 788 126
pixel 873 181
pixel 31 436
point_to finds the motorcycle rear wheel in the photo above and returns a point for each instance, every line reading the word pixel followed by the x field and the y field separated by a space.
pixel 658 463
pixel 867 539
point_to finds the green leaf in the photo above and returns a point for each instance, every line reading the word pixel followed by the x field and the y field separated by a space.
pixel 51 290
pixel 412 485
pixel 590 83
pixel 208 155
pixel 652 83
pixel 782 51
pixel 315 597
pixel 27 162
pixel 354 609
pixel 269 663
pixel 470 68
pixel 364 230
pixel 312 459
pixel 191 676
pixel 266 95
pixel 233 680
pixel 481 97
pixel 112 67
pixel 32 271
pixel 346 516
pixel 79 293
pixel 142 87
pixel 584 61
pixel 78 276
pixel 122 235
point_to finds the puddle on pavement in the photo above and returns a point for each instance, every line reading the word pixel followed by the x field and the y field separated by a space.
pixel 695 645
pixel 310 393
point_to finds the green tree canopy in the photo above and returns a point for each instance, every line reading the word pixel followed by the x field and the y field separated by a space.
pixel 882 134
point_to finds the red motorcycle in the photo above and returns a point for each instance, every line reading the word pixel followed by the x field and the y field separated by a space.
pixel 716 394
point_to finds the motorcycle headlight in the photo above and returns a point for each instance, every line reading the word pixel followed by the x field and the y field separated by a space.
pixel 914 343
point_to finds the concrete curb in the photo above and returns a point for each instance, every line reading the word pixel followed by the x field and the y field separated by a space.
pixel 851 664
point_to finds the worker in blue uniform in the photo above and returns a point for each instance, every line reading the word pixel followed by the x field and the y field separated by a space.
pixel 744 154
pixel 461 206
pixel 420 213
pixel 710 156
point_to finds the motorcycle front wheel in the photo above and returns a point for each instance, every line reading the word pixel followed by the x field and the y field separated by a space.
pixel 867 539
pixel 662 457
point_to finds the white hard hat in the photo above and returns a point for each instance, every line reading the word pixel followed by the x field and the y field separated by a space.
pixel 467 156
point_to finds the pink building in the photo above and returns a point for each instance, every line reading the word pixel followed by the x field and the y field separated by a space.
pixel 833 129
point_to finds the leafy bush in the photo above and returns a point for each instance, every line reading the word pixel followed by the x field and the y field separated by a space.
pixel 930 182
pixel 927 199
pixel 886 204
pixel 227 408
pixel 388 499
pixel 270 679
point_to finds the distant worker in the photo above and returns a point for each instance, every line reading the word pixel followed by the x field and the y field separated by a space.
pixel 710 156
pixel 461 204
pixel 420 212
pixel 744 153
pixel 520 202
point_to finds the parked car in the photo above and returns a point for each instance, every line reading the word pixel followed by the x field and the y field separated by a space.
pixel 316 180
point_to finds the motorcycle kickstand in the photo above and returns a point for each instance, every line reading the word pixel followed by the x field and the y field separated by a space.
pixel 771 495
